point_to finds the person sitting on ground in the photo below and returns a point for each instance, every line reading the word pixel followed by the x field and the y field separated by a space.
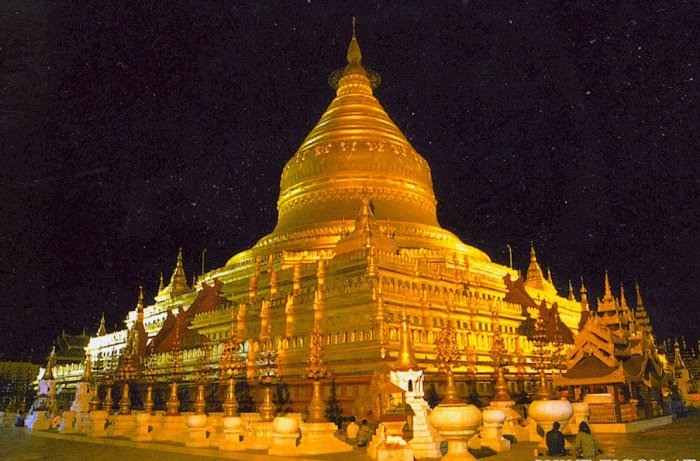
pixel 19 419
pixel 555 441
pixel 351 431
pixel 364 435
pixel 585 444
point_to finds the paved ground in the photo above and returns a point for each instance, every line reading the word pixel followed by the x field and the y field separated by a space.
pixel 678 441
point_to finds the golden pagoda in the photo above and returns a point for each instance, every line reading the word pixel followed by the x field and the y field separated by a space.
pixel 357 243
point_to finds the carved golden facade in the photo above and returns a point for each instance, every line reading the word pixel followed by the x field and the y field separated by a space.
pixel 356 245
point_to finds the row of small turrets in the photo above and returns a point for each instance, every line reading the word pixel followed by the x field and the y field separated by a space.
pixel 681 355
pixel 616 314
pixel 612 312
pixel 177 286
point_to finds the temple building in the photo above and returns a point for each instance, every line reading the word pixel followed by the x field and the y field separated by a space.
pixel 356 247
pixel 615 359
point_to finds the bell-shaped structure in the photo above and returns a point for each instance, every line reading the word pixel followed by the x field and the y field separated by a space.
pixel 355 151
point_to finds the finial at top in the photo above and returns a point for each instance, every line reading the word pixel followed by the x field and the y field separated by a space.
pixel 571 291
pixel 102 330
pixel 354 53
pixel 640 303
pixel 179 257
pixel 608 291
pixel 406 358
pixel 533 255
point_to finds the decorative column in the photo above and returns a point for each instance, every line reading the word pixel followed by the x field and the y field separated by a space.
pixel 231 364
pixel 197 423
pixel 262 431
pixel 544 409
pixel 317 434
pixel 502 403
pixel 143 420
pixel 448 355
pixel 173 427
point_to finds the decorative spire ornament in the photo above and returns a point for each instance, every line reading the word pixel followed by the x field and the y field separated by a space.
pixel 173 403
pixel 316 371
pixel 608 291
pixel 203 375
pixel 571 296
pixel 500 360
pixel 448 355
pixel 230 366
pixel 102 330
pixel 541 357
pixel 406 358
pixel 267 371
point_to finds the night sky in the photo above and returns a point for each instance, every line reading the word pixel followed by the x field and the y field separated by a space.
pixel 129 132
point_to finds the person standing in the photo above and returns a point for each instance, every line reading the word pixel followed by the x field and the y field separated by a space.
pixel 585 444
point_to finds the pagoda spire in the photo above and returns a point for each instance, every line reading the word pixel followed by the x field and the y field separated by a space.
pixel 549 276
pixel 139 305
pixel 354 77
pixel 535 277
pixel 677 356
pixel 161 285
pixel 584 293
pixel 354 52
pixel 608 291
pixel 178 281
pixel 87 374
pixel 571 296
pixel 623 300
pixel 406 359
pixel 102 330
pixel 48 374
pixel 178 265
pixel 640 303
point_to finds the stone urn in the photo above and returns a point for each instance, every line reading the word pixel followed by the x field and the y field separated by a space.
pixel 233 423
pixel 582 411
pixel 233 428
pixel 456 424
pixel 546 412
pixel 197 430
pixel 284 437
pixel 511 426
pixel 492 433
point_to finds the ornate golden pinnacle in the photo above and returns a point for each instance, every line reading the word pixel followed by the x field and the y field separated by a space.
pixel 315 366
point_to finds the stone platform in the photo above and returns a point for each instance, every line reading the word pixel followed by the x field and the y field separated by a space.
pixel 678 440
pixel 633 426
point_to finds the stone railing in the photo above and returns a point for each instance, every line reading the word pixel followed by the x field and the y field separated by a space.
pixel 615 413
pixel 603 413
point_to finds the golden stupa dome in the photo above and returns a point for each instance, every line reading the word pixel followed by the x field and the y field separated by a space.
pixel 355 148
pixel 356 151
